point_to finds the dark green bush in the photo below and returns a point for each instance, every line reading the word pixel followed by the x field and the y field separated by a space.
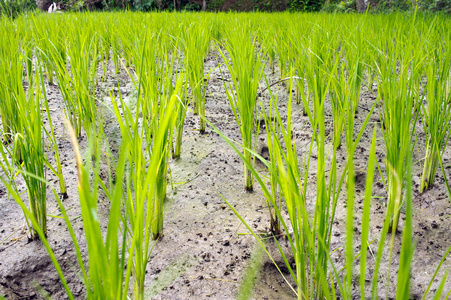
pixel 305 5
pixel 12 8
pixel 436 5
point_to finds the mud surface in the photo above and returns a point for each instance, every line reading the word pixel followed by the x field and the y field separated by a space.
pixel 205 249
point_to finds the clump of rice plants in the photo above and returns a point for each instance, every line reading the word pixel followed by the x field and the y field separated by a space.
pixel 145 184
pixel 76 80
pixel 182 109
pixel 196 45
pixel 396 93
pixel 34 164
pixel 11 83
pixel 246 66
pixel 436 116
pixel 22 125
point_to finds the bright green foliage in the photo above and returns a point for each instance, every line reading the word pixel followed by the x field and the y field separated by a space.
pixel 30 141
pixel 246 67
pixel 401 62
pixel 195 39
pixel 396 93
pixel 436 114
pixel 11 85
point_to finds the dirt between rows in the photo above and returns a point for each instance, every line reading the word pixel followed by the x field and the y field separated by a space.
pixel 205 249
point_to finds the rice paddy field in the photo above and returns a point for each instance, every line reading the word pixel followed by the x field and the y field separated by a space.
pixel 225 156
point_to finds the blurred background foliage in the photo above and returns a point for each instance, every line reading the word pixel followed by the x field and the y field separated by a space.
pixel 14 7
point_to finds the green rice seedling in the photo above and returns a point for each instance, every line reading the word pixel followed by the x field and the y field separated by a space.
pixel 77 82
pixel 396 94
pixel 354 50
pixel 161 142
pixel 28 48
pixel 11 83
pixel 269 43
pixel 403 280
pixel 246 68
pixel 272 136
pixel 299 58
pixel 182 108
pixel 282 50
pixel 30 141
pixel 155 89
pixel 43 39
pixel 196 45
pixel 407 247
pixel 350 91
pixel 366 216
pixel 135 204
pixel 339 96
pixel 345 95
pixel 114 46
pixel 164 147
pixel 147 179
pixel 145 59
pixel 109 264
pixel 106 39
pixel 436 115
pixel 320 58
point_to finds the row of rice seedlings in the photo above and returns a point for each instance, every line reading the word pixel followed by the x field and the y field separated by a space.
pixel 155 88
pixel 314 272
pixel 126 248
pixel 164 147
pixel 321 57
pixel 27 150
pixel 310 240
pixel 246 66
pixel 151 147
pixel 26 155
pixel 195 41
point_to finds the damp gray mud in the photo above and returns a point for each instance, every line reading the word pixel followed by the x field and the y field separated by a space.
pixel 206 252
